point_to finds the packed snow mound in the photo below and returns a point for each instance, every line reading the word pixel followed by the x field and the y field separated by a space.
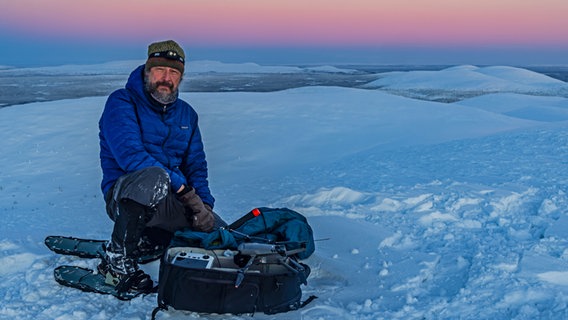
pixel 381 119
pixel 519 75
pixel 548 109
pixel 470 78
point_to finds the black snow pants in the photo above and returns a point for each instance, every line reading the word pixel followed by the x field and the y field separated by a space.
pixel 141 203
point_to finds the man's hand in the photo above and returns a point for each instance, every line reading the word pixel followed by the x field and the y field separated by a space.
pixel 199 214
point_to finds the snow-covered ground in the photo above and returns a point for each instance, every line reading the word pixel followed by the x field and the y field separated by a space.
pixel 425 210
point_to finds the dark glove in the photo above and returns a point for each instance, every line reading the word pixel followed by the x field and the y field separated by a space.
pixel 199 214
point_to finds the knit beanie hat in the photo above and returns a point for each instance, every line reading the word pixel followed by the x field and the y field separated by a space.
pixel 165 54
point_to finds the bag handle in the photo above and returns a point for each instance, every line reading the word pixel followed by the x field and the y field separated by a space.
pixel 249 216
pixel 157 309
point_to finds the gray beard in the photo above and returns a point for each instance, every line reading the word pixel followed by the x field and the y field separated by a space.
pixel 161 97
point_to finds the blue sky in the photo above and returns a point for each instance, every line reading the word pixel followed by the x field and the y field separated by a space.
pixel 511 32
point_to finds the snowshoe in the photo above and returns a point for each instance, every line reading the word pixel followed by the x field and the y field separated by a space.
pixel 89 248
pixel 87 280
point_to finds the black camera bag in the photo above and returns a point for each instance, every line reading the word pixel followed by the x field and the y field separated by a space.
pixel 270 284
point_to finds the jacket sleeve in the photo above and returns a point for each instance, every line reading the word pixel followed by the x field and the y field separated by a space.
pixel 120 127
pixel 195 165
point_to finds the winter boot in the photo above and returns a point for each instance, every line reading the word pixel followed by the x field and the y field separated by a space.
pixel 123 273
pixel 148 246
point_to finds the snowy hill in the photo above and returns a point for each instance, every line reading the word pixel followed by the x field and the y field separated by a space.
pixel 200 66
pixel 522 106
pixel 464 81
pixel 432 210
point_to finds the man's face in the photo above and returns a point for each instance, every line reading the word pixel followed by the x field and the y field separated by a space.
pixel 162 83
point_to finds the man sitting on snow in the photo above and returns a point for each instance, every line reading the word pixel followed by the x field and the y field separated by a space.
pixel 154 167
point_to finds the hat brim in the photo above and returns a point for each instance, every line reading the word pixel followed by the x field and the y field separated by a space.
pixel 164 62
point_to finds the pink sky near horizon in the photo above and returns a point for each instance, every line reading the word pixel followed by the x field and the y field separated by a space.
pixel 294 22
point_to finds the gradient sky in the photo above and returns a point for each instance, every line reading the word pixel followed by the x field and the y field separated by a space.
pixel 42 32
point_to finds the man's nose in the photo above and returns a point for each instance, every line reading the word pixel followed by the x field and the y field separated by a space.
pixel 167 75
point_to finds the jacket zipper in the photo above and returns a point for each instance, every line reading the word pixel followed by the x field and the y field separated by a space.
pixel 167 136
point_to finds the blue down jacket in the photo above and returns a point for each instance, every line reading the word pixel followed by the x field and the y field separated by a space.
pixel 136 132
